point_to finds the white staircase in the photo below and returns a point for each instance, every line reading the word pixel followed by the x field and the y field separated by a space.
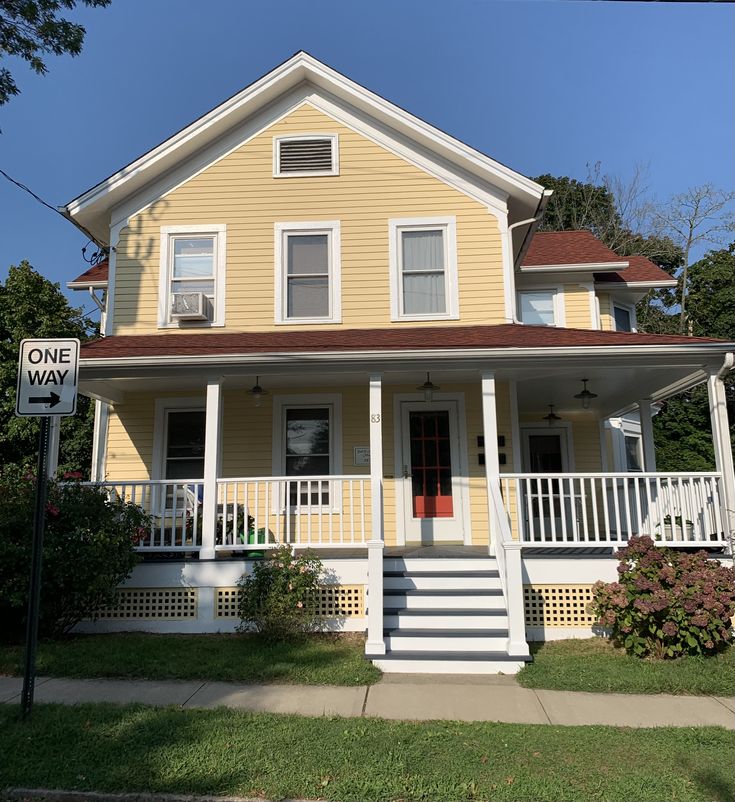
pixel 445 616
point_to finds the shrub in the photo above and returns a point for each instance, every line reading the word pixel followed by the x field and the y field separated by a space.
pixel 88 549
pixel 667 603
pixel 279 598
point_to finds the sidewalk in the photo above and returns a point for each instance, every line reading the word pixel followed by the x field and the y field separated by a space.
pixel 396 696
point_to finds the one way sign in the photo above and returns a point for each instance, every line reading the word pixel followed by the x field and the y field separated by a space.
pixel 47 377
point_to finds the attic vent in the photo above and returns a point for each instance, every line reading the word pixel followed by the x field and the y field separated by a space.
pixel 309 154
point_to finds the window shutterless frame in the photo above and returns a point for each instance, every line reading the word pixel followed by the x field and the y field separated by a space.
pixel 288 280
pixel 168 283
pixel 627 309
pixel 448 228
pixel 556 295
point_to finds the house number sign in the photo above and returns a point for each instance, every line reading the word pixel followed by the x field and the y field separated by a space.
pixel 375 418
pixel 361 455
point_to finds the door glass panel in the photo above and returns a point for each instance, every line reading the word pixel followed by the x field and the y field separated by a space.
pixel 431 468
pixel 545 453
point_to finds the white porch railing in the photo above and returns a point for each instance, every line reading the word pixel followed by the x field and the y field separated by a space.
pixel 588 509
pixel 264 512
pixel 174 508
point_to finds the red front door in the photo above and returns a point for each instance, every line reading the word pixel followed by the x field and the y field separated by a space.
pixel 431 464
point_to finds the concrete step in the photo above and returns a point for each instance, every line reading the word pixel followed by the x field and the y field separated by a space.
pixel 445 619
pixel 441 641
pixel 443 599
pixel 415 662
pixel 455 580
pixel 439 565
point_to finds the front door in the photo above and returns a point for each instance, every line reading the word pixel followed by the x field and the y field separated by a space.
pixel 432 492
pixel 550 503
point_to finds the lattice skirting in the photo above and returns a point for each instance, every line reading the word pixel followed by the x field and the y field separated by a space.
pixel 558 605
pixel 153 603
pixel 335 601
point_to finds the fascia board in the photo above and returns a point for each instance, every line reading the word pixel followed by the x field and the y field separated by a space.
pixel 612 286
pixel 588 267
pixel 86 285
pixel 236 109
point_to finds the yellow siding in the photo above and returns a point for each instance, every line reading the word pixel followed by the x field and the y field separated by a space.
pixel 577 307
pixel 607 321
pixel 247 444
pixel 240 192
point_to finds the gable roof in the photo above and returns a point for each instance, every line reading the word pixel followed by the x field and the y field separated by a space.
pixel 92 208
pixel 559 248
pixel 503 336
pixel 640 271
pixel 95 276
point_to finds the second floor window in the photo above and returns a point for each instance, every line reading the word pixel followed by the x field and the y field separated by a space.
pixel 623 319
pixel 423 269
pixel 537 307
pixel 307 273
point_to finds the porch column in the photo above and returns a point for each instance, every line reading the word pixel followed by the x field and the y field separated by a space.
pixel 212 428
pixel 723 445
pixel 375 644
pixel 492 464
pixel 649 449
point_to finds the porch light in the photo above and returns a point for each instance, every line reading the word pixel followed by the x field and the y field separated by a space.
pixel 585 396
pixel 257 392
pixel 552 417
pixel 428 388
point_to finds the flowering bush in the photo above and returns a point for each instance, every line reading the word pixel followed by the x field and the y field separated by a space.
pixel 279 598
pixel 88 549
pixel 667 603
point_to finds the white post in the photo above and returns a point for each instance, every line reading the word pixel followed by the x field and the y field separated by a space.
pixel 375 643
pixel 212 429
pixel 52 462
pixel 649 449
pixel 517 644
pixel 723 446
pixel 492 465
pixel 99 442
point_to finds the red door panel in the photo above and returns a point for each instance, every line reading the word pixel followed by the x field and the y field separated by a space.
pixel 431 466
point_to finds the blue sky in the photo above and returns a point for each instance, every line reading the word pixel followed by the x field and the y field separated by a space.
pixel 544 86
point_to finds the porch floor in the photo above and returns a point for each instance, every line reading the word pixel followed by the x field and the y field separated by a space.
pixel 437 550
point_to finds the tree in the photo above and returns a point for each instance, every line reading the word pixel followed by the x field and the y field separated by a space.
pixel 32 306
pixel 695 217
pixel 30 29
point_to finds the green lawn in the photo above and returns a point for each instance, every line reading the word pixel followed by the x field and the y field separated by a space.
pixel 597 666
pixel 224 752
pixel 318 660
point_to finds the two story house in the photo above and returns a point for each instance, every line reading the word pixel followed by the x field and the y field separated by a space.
pixel 329 324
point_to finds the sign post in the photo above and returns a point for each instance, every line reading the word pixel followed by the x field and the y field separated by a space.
pixel 47 387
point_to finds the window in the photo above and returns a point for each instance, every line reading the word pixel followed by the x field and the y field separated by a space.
pixel 307 273
pixel 307 443
pixel 423 269
pixel 538 307
pixel 623 319
pixel 192 281
pixel 633 454
pixel 305 155
pixel 184 457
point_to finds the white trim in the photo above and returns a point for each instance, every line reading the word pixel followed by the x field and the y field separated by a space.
pixel 509 276
pixel 596 267
pixel 463 460
pixel 162 407
pixel 448 225
pixel 489 402
pixel 558 304
pixel 99 440
pixel 212 467
pixel 219 235
pixel 612 286
pixel 515 426
pixel 86 285
pixel 334 138
pixel 629 308
pixel 332 229
pixel 115 231
pixel 333 401
pixel 645 413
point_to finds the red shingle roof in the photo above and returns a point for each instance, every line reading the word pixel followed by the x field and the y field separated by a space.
pixel 95 275
pixel 501 336
pixel 568 248
pixel 639 269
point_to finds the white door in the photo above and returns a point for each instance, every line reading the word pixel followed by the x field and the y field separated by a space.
pixel 430 472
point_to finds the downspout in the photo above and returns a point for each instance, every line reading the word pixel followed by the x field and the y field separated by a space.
pixel 727 365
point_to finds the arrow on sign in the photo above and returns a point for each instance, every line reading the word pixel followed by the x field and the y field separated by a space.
pixel 52 399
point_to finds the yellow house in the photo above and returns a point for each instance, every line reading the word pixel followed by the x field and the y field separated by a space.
pixel 328 324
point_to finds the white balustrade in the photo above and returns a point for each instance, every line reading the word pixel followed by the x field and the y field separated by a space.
pixel 587 509
pixel 264 512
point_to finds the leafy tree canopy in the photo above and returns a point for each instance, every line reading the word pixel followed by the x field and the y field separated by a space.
pixel 33 306
pixel 31 29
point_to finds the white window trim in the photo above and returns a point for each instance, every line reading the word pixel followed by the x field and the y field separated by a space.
pixel 282 230
pixel 451 279
pixel 568 463
pixel 557 295
pixel 160 431
pixel 334 403
pixel 219 232
pixel 629 308
pixel 306 173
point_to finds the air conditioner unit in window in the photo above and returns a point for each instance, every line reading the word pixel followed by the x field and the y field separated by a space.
pixel 189 306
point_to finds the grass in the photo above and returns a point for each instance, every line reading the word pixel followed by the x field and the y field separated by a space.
pixel 597 666
pixel 225 752
pixel 317 660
